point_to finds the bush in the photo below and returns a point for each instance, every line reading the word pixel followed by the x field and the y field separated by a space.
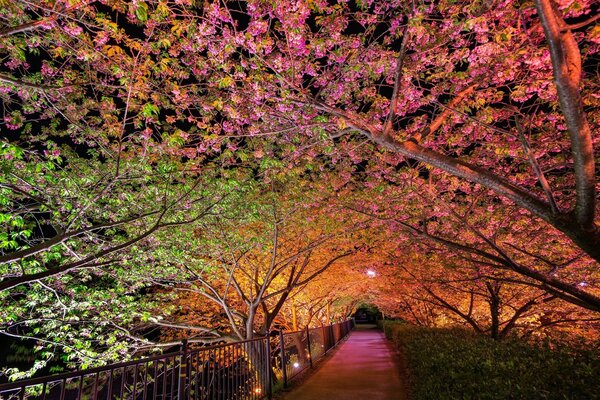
pixel 458 364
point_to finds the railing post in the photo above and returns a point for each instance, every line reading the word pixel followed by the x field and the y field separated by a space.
pixel 183 370
pixel 269 368
pixel 308 344
pixel 283 362
pixel 325 339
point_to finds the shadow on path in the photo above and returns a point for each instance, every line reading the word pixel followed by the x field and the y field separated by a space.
pixel 363 367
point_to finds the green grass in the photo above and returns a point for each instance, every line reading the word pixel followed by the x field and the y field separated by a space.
pixel 457 364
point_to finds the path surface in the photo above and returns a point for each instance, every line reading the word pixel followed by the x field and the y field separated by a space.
pixel 363 368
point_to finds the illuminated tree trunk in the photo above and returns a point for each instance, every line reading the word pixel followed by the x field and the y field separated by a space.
pixel 294 317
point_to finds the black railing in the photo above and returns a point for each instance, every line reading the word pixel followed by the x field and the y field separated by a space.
pixel 240 371
pixel 300 349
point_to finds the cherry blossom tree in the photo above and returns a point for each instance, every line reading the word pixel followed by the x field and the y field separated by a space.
pixel 269 249
pixel 460 128
pixel 464 87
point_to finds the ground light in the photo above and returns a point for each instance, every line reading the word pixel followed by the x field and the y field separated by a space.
pixel 371 273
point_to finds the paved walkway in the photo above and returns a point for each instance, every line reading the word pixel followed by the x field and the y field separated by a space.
pixel 364 367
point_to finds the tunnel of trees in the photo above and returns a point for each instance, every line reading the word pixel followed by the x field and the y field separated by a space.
pixel 216 170
pixel 367 314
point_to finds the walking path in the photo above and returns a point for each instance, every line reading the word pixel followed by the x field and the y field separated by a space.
pixel 364 367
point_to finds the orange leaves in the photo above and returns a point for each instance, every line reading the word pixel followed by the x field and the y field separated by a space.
pixel 178 28
pixel 112 51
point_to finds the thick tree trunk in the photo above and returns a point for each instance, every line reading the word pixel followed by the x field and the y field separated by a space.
pixel 494 302
pixel 566 67
pixel 249 325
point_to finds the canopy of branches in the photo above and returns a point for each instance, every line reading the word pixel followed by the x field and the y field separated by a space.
pixel 218 169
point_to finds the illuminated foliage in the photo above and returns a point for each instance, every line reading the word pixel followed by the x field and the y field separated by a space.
pixel 146 144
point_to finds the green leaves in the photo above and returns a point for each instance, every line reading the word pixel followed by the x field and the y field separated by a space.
pixel 226 82
pixel 141 11
pixel 150 110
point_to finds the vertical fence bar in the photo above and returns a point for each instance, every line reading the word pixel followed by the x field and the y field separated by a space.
pixel 135 375
pixel 206 372
pixel 225 374
pixel 63 389
pixel 122 388
pixel 237 370
pixel 78 390
pixel 269 367
pixel 173 381
pixel 282 356
pixel 182 370
pixel 197 370
pixel 145 395
pixel 217 375
pixel 308 345
pixel 109 392
pixel 164 380
pixel 155 380
pixel 95 390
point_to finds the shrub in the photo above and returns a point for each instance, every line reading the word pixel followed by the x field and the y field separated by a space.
pixel 458 364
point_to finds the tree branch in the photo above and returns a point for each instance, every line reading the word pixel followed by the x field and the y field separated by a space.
pixel 436 123
pixel 397 81
pixel 566 65
pixel 47 244
pixel 536 168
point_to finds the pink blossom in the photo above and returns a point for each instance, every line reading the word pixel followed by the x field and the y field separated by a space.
pixel 73 30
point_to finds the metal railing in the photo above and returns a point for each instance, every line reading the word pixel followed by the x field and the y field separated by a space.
pixel 241 371
pixel 301 349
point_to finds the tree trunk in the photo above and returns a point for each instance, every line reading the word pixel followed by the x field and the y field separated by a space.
pixel 294 317
pixel 494 302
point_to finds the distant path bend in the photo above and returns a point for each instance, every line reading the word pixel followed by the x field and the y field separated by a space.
pixel 364 368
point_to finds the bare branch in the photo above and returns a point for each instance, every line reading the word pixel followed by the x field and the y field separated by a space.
pixel 581 24
pixel 397 81
pixel 184 326
pixel 436 123
pixel 47 244
pixel 20 83
pixel 536 168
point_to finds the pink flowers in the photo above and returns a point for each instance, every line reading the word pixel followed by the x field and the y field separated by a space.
pixel 73 30
pixel 14 121
pixel 52 153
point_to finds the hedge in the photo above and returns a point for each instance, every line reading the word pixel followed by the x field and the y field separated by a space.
pixel 458 364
